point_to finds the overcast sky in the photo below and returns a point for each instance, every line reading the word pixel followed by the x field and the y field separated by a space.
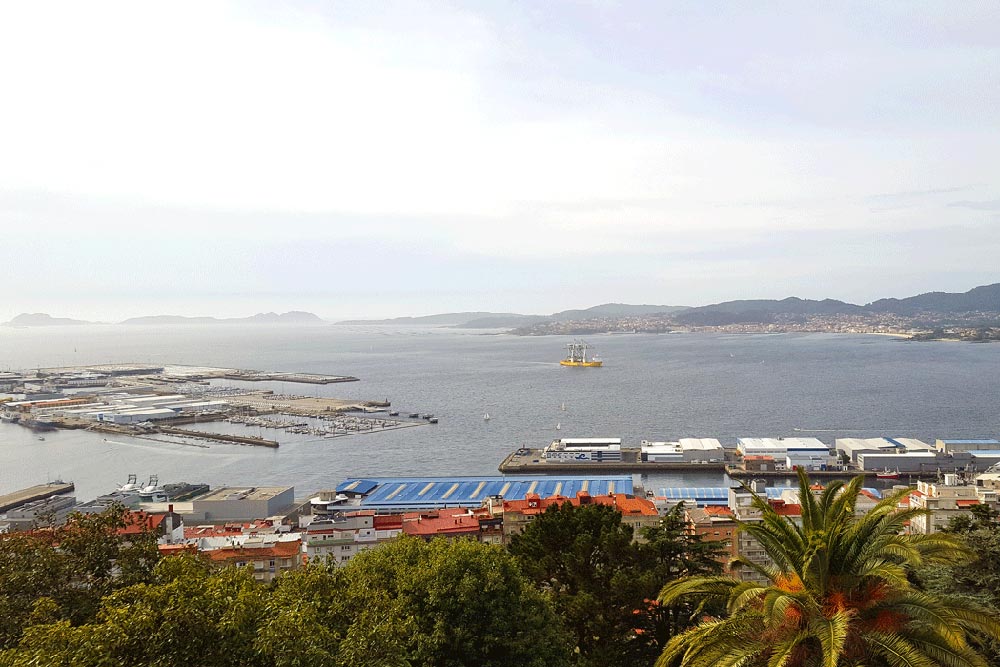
pixel 376 159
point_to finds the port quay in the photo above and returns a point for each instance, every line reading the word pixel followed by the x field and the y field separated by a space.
pixel 167 402
pixel 177 404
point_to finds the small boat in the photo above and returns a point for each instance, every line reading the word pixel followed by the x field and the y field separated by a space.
pixel 563 407
pixel 486 417
pixel 427 416
pixel 41 438
pixel 888 474
pixel 414 415
pixel 132 485
pixel 433 420
pixel 394 413
pixel 558 426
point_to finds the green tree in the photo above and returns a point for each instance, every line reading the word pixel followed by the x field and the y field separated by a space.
pixel 447 603
pixel 69 569
pixel 603 582
pixel 838 593
pixel 977 581
pixel 443 603
pixel 667 552
pixel 187 614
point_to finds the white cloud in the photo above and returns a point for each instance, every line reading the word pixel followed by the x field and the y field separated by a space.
pixel 478 131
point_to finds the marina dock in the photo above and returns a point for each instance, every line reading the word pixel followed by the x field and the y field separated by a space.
pixel 39 492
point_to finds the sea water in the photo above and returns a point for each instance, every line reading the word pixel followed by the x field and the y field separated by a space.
pixel 653 387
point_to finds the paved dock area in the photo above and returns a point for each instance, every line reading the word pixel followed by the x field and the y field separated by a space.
pixel 531 462
pixel 294 405
pixel 39 492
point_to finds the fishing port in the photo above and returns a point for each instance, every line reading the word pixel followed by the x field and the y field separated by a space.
pixel 886 458
pixel 144 401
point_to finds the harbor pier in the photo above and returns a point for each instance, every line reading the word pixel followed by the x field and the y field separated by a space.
pixel 33 493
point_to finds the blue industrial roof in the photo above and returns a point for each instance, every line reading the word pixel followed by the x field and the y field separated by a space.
pixel 776 491
pixel 428 492
pixel 357 486
pixel 985 452
pixel 696 493
pixel 982 441
pixel 700 495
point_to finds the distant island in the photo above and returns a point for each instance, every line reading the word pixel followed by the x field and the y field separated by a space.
pixel 292 317
pixel 42 320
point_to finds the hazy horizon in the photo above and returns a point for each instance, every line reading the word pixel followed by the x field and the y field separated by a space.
pixel 373 160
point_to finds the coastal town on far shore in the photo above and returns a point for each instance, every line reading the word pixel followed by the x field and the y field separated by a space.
pixel 929 326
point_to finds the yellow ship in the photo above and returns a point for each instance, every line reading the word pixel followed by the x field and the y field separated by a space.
pixel 577 356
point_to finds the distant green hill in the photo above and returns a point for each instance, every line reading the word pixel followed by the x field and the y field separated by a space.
pixel 983 298
pixel 485 320
pixel 762 310
pixel 614 310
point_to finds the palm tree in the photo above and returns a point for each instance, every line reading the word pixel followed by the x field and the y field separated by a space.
pixel 837 594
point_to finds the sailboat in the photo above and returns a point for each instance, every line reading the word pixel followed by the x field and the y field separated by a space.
pixel 486 417
pixel 558 425
pixel 563 407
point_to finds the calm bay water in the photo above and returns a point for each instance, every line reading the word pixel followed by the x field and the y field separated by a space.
pixel 651 387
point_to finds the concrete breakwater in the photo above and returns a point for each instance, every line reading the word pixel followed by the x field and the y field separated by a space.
pixel 221 437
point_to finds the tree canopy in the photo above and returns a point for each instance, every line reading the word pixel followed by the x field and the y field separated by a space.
pixel 444 603
pixel 62 573
pixel 603 583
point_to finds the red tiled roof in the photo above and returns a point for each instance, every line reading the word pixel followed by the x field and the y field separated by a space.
pixel 242 553
pixel 629 505
pixel 452 521
pixel 174 549
pixel 387 521
pixel 225 530
pixel 138 522
pixel 966 503
pixel 718 510
pixel 787 509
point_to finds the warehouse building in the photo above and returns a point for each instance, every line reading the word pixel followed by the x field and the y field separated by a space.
pixel 789 453
pixel 850 447
pixel 244 503
pixel 685 450
pixel 583 450
pixel 952 446
pixel 984 459
pixel 913 462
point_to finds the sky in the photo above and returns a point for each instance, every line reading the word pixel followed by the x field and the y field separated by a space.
pixel 372 159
